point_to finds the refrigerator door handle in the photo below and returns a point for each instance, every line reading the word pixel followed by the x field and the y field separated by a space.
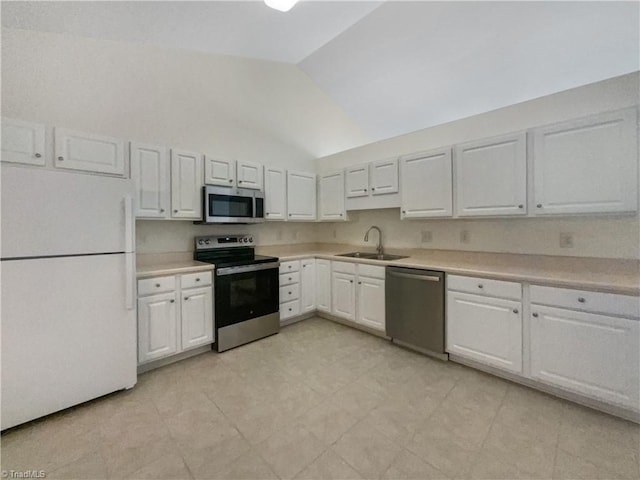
pixel 129 224
pixel 130 280
pixel 130 257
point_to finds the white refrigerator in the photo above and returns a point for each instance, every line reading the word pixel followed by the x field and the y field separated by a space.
pixel 68 318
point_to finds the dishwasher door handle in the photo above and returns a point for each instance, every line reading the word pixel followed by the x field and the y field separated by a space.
pixel 424 278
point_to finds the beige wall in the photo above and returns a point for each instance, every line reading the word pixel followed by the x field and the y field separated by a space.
pixel 595 236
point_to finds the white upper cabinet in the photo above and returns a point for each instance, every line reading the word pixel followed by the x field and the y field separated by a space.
pixel 250 175
pixel 384 176
pixel 331 204
pixel 186 184
pixel 588 165
pixel 491 177
pixel 427 185
pixel 275 193
pixel 357 181
pixel 301 196
pixel 219 171
pixel 150 171
pixel 88 152
pixel 23 142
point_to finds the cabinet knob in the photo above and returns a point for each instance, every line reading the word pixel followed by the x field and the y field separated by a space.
pixel 289 278
pixel 289 293
pixel 350 281
pixel 239 181
pixel 359 283
pixel 231 180
pixel 372 189
pixel 197 279
pixel 289 214
pixel 404 211
pixel 186 298
pixel 175 211
pixel 37 155
pixel 515 310
pixel 172 301
pixel 340 214
pixel 535 315
pixel 520 206
pixel 581 299
pixel 289 308
pixel 289 267
pixel 157 285
pixel 365 189
pixel 162 210
pixel 539 205
pixel 60 159
pixel 480 285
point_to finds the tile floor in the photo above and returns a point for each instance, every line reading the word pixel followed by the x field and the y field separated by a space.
pixel 324 401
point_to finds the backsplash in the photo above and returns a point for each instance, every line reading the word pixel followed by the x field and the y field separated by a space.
pixel 608 237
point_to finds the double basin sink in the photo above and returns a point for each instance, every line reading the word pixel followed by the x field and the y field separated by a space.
pixel 371 256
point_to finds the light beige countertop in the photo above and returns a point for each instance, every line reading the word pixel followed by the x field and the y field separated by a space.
pixel 599 274
pixel 158 264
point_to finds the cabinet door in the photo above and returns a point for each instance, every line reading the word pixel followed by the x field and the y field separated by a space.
pixel 343 293
pixel 308 285
pixel 384 177
pixel 275 193
pixel 587 166
pixel 157 327
pixel 23 142
pixel 427 185
pixel 357 181
pixel 323 285
pixel 331 193
pixel 250 175
pixel 88 152
pixel 218 171
pixel 371 303
pixel 186 184
pixel 197 317
pixel 150 171
pixel 485 329
pixel 595 355
pixel 301 196
pixel 491 177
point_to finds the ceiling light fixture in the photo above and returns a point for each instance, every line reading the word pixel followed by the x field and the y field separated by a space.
pixel 281 5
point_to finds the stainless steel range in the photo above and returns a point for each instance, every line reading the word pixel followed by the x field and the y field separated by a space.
pixel 246 304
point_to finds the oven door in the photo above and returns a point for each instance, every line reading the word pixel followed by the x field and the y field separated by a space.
pixel 246 292
pixel 226 205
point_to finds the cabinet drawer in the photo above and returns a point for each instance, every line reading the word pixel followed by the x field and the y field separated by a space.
pixel 288 267
pixel 343 267
pixel 149 286
pixel 289 278
pixel 483 286
pixel 289 309
pixel 610 303
pixel 199 279
pixel 289 292
pixel 372 271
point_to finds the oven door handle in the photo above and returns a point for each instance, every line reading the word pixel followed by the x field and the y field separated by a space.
pixel 246 268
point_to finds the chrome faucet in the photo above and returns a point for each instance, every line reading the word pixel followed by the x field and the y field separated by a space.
pixel 379 248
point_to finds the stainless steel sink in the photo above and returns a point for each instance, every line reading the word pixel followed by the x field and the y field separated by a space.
pixel 371 256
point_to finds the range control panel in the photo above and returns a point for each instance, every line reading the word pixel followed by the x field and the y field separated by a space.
pixel 223 241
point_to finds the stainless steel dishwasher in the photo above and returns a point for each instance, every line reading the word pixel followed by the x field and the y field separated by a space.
pixel 415 309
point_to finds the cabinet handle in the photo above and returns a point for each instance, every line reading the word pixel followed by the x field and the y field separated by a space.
pixel 581 299
pixel 351 281
pixel 480 285
pixel 359 283
pixel 186 298
pixel 175 211
pixel 289 267
pixel 37 155
pixel 60 159
pixel 162 210
pixel 172 301
pixel 197 279
pixel 231 180
pixel 520 206
pixel 157 285
pixel 372 189
pixel 539 205
pixel 289 309
pixel 289 278
pixel 535 315
pixel 515 310
pixel 404 211
pixel 289 293
pixel 239 181
pixel 365 189
pixel 289 214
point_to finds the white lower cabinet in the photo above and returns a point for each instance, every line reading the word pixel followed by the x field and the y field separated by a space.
pixel 371 302
pixel 485 329
pixel 593 354
pixel 297 288
pixel 343 293
pixel 323 285
pixel 307 285
pixel 171 318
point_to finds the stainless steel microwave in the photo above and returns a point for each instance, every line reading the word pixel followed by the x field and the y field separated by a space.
pixel 232 205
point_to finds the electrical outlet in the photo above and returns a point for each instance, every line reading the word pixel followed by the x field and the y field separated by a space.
pixel 278 234
pixel 427 236
pixel 465 236
pixel 566 240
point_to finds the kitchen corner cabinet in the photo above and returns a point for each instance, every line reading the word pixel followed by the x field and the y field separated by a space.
pixel 491 177
pixel 186 184
pixel 587 342
pixel 484 321
pixel 150 172
pixel 174 314
pixel 301 196
pixel 331 204
pixel 275 193
pixel 323 285
pixel 23 142
pixel 219 171
pixel 427 185
pixel 588 165
pixel 250 175
pixel 88 152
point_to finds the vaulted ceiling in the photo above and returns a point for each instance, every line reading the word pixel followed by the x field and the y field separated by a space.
pixel 393 67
